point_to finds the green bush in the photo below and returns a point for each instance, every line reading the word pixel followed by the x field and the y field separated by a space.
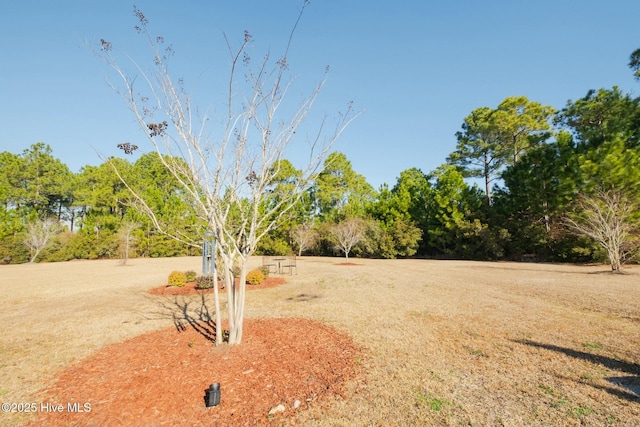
pixel 12 250
pixel 255 277
pixel 204 282
pixel 265 271
pixel 191 275
pixel 177 278
pixel 273 245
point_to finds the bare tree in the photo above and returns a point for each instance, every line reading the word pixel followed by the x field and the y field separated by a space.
pixel 227 175
pixel 605 217
pixel 348 233
pixel 38 235
pixel 305 236
pixel 126 238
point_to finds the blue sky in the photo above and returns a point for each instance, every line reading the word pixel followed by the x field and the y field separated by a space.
pixel 415 68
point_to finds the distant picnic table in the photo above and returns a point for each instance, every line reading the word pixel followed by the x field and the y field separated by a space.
pixel 280 263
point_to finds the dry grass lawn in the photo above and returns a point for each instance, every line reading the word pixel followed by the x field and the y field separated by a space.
pixel 448 342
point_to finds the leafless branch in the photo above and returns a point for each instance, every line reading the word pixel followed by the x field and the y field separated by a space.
pixel 605 218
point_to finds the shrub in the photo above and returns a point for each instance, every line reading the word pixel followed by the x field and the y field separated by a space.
pixel 191 275
pixel 204 282
pixel 177 278
pixel 255 277
pixel 265 271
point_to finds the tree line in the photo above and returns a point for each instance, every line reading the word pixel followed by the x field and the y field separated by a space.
pixel 557 185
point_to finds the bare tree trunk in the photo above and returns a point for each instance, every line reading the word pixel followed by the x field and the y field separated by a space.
pixel 216 306
pixel 232 297
pixel 235 335
pixel 487 178
pixel 126 240
pixel 545 208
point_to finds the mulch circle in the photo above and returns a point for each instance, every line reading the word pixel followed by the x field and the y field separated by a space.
pixel 190 287
pixel 160 378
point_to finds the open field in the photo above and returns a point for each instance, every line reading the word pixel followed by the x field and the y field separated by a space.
pixel 448 342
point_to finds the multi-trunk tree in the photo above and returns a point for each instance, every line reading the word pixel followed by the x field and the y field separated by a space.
pixel 607 217
pixel 304 236
pixel 347 233
pixel 38 235
pixel 228 174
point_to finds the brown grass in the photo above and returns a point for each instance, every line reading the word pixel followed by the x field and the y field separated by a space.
pixel 448 342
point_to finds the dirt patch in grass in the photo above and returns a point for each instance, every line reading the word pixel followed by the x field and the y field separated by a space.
pixel 160 378
pixel 190 287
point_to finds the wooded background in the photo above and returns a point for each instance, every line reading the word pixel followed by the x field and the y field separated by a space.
pixel 523 175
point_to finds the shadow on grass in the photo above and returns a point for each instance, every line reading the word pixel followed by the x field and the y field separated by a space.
pixel 630 382
pixel 303 297
pixel 548 267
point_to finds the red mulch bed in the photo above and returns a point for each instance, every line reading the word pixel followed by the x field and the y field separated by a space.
pixel 160 378
pixel 190 287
